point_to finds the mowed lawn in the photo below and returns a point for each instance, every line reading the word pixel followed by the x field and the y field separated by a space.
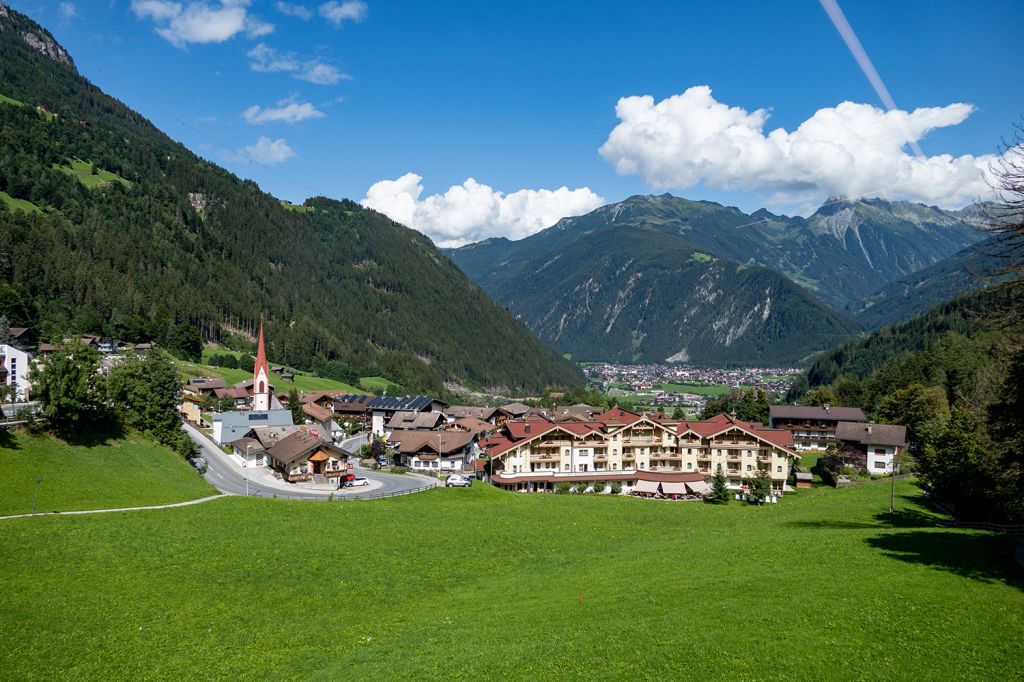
pixel 478 583
pixel 122 472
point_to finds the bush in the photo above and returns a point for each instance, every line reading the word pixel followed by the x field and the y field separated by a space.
pixel 828 468
pixel 399 470
pixel 599 487
pixel 562 488
pixel 580 488
pixel 616 488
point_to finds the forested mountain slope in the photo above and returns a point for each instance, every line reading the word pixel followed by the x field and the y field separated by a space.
pixel 633 295
pixel 967 270
pixel 120 230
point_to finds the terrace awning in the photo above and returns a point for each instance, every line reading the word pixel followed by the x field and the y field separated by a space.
pixel 697 487
pixel 646 487
pixel 670 488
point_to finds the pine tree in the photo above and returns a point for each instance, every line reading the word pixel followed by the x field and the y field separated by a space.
pixel 719 488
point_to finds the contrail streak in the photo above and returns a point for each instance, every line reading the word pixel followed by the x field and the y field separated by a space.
pixel 831 8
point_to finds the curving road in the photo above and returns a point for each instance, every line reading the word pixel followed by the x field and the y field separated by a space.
pixel 228 477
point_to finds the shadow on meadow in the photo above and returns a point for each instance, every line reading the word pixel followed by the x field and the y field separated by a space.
pixel 985 557
pixel 8 441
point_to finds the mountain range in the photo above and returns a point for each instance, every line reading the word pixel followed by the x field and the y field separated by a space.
pixel 111 227
pixel 665 278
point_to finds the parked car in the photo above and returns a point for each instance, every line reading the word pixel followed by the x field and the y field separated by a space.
pixel 458 481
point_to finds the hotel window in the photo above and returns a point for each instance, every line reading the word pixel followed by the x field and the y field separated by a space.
pixel 750 468
pixel 615 466
pixel 689 465
pixel 641 465
pixel 778 469
pixel 566 467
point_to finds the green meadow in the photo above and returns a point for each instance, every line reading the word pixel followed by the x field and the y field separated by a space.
pixel 478 583
pixel 82 171
pixel 118 472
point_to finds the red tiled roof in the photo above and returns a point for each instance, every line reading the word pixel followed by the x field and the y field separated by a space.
pixel 316 412
pixel 618 417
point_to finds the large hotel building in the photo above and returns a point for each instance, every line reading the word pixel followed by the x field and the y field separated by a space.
pixel 536 453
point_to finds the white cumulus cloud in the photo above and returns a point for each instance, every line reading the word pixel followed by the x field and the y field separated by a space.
pixel 286 111
pixel 340 12
pixel 201 22
pixel 67 10
pixel 269 60
pixel 850 150
pixel 299 11
pixel 473 211
pixel 267 152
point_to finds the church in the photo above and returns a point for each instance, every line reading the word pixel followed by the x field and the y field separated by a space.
pixel 265 410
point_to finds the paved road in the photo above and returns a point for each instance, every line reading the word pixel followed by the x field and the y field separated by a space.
pixel 228 477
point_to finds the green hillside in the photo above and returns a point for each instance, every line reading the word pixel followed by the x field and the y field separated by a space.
pixel 160 244
pixel 542 587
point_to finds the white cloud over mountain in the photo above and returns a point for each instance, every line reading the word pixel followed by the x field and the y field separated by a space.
pixel 473 211
pixel 267 152
pixel 286 111
pixel 850 149
pixel 201 22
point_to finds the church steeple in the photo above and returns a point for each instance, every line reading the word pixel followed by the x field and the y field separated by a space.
pixel 260 377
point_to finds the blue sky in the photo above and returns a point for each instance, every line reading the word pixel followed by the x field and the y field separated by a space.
pixel 521 97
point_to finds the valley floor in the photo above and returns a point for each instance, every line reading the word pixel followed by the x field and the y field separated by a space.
pixel 473 583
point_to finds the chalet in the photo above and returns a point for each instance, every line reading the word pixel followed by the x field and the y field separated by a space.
pixel 353 408
pixel 871 446
pixel 22 338
pixel 434 450
pixel 536 453
pixel 515 410
pixel 301 456
pixel 813 428
pixel 416 421
pixel 250 450
pixel 487 414
pixel 471 425
pixel 384 407
pixel 323 418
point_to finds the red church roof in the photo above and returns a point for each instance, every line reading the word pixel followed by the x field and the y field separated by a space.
pixel 261 357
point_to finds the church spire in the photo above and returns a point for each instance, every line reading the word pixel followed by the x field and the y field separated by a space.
pixel 260 377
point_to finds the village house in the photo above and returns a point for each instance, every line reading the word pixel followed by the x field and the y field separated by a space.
pixel 301 456
pixel 487 414
pixel 353 409
pixel 416 421
pixel 323 418
pixel 434 451
pixel 14 373
pixel 472 425
pixel 536 453
pixel 384 407
pixel 870 446
pixel 813 428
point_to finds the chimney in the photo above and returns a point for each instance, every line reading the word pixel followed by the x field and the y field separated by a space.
pixel 869 429
pixel 527 429
pixel 826 406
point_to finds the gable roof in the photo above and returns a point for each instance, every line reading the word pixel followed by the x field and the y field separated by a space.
pixel 295 446
pixel 516 409
pixel 437 442
pixel 721 423
pixel 318 413
pixel 206 383
pixel 872 434
pixel 617 416
pixel 415 420
pixel 849 414
pixel 474 425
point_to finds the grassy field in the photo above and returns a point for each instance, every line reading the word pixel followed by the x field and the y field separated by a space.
pixel 479 583
pixel 699 389
pixel 82 170
pixel 9 100
pixel 123 472
pixel 18 204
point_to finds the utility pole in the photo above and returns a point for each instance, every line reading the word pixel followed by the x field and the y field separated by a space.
pixel 892 488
